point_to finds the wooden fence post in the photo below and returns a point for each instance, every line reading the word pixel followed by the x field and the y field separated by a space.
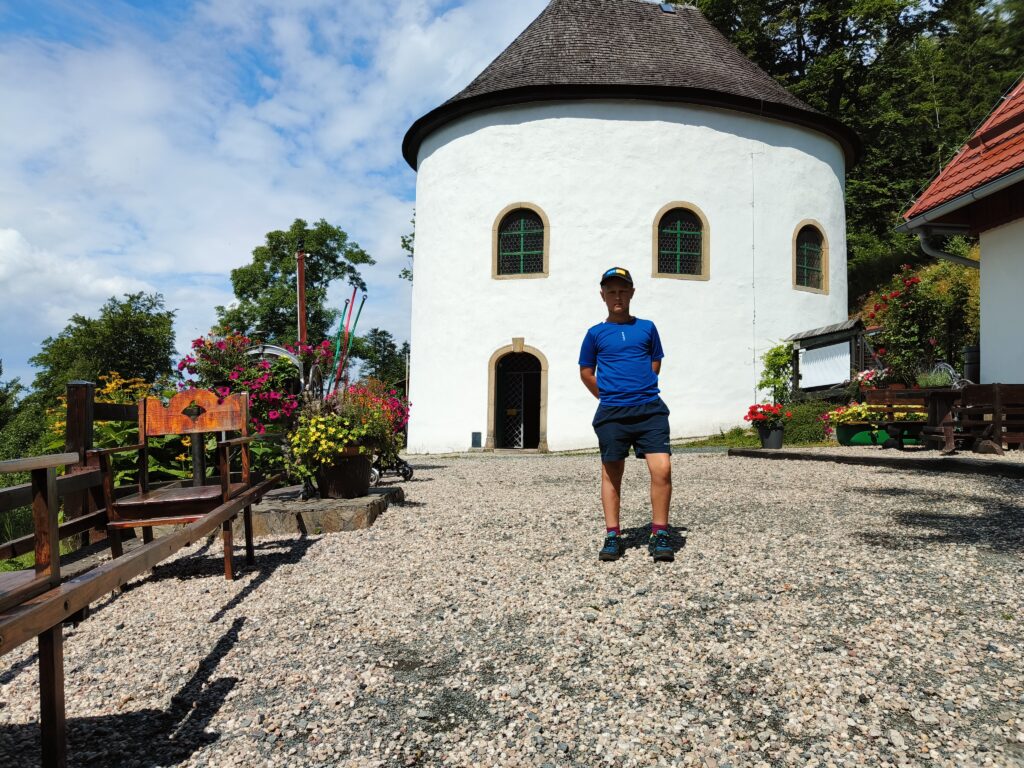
pixel 78 437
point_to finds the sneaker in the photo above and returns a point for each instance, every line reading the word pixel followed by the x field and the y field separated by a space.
pixel 660 547
pixel 612 549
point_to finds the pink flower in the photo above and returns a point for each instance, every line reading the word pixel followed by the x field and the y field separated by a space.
pixel 223 391
pixel 274 415
pixel 222 345
pixel 234 375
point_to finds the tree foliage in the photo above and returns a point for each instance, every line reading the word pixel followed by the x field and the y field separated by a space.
pixel 133 336
pixel 912 79
pixel 777 373
pixel 9 391
pixel 381 358
pixel 266 289
pixel 408 247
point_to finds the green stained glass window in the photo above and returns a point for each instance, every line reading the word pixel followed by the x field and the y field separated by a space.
pixel 521 243
pixel 680 243
pixel 809 263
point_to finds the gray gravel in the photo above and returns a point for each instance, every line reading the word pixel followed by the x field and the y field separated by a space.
pixel 817 615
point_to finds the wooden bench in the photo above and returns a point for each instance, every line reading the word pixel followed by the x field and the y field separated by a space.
pixel 36 604
pixel 887 407
pixel 990 417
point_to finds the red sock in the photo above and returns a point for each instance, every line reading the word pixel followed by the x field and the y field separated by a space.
pixel 655 527
pixel 613 531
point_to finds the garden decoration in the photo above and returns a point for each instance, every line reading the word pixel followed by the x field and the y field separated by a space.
pixel 349 335
pixel 770 421
pixel 854 424
pixel 335 438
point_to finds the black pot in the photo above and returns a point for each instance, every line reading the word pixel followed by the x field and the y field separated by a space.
pixel 347 478
pixel 770 437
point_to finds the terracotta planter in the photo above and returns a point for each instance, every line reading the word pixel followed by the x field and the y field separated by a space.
pixel 770 438
pixel 347 478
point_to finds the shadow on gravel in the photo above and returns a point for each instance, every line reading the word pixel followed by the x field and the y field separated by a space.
pixel 637 538
pixel 1000 527
pixel 270 555
pixel 148 737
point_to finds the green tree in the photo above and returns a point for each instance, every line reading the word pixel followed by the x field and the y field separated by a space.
pixel 913 80
pixel 9 392
pixel 266 288
pixel 408 246
pixel 133 336
pixel 381 358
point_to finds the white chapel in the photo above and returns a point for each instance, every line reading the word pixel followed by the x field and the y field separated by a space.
pixel 615 133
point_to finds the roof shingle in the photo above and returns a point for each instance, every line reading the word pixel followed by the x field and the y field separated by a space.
pixel 625 49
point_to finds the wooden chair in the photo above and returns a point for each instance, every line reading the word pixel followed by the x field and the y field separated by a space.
pixel 992 416
pixel 192 412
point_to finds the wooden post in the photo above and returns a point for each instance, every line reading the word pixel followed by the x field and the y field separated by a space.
pixel 52 716
pixel 44 518
pixel 78 438
pixel 198 459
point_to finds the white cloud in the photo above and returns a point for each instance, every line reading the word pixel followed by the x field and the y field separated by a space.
pixel 142 161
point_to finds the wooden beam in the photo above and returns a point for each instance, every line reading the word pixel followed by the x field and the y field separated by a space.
pixel 55 606
pixel 21 495
pixel 38 462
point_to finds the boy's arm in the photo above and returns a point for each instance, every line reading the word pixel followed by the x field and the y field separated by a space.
pixel 656 367
pixel 589 380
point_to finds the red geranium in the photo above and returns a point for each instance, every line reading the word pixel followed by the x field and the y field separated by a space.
pixel 767 415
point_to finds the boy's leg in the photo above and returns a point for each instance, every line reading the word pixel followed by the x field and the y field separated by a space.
pixel 660 466
pixel 611 491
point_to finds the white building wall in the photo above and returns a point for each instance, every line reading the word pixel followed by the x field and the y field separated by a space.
pixel 601 171
pixel 1002 283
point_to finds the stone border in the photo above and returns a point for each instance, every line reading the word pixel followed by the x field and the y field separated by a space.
pixel 936 464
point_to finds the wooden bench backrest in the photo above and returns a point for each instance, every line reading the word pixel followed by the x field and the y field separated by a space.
pixel 899 398
pixel 192 412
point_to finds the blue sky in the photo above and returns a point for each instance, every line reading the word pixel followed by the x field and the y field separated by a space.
pixel 149 146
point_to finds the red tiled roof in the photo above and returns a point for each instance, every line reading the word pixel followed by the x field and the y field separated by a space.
pixel 995 149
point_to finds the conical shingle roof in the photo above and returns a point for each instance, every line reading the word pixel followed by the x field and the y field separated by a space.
pixel 625 49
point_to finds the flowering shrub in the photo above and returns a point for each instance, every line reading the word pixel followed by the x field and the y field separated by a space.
pixel 367 414
pixel 925 316
pixel 768 416
pixel 169 456
pixel 870 378
pixel 224 365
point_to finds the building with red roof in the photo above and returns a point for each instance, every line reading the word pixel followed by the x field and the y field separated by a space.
pixel 981 193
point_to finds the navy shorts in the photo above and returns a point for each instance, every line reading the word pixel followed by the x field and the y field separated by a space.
pixel 642 427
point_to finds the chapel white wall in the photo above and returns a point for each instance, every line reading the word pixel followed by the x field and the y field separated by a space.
pixel 601 171
pixel 1002 281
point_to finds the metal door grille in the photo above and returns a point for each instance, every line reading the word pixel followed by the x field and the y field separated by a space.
pixel 514 390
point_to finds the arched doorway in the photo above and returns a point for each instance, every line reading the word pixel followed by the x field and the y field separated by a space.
pixel 517 401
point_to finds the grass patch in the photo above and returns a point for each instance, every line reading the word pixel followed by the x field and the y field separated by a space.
pixel 740 437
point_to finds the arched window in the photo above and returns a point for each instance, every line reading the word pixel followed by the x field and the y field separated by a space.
pixel 681 243
pixel 810 259
pixel 520 243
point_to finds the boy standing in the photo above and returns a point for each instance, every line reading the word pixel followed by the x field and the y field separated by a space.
pixel 626 353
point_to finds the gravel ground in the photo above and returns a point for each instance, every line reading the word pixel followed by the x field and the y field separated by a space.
pixel 816 614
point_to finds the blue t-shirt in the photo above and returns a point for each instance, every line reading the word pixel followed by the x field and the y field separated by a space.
pixel 622 353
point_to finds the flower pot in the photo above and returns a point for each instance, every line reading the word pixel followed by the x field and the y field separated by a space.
pixel 856 433
pixel 347 478
pixel 770 437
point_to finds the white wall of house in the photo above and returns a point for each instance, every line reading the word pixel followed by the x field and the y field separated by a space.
pixel 1002 283
pixel 601 171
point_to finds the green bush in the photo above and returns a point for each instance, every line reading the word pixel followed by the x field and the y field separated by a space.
pixel 806 425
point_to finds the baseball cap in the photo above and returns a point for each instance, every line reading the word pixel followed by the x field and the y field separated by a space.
pixel 619 272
